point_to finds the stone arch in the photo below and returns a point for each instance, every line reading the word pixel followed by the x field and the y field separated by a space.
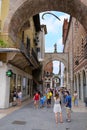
pixel 21 10
pixel 63 57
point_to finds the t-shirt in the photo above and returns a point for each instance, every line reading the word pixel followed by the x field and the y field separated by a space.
pixel 68 101
pixel 36 97
pixel 49 95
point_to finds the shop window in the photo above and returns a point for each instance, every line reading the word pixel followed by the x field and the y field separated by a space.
pixel 12 86
pixel 28 87
pixel 24 84
pixel 31 89
pixel 19 82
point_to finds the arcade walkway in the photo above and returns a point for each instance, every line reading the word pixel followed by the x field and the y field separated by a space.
pixel 28 118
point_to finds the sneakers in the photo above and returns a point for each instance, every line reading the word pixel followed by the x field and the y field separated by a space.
pixel 68 120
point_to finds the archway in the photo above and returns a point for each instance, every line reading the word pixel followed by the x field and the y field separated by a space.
pixel 24 9
pixel 62 58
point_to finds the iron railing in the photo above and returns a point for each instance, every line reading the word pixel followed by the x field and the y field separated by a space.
pixel 30 54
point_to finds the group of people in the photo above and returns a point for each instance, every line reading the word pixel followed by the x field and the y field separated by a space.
pixel 60 98
pixel 41 100
pixel 17 97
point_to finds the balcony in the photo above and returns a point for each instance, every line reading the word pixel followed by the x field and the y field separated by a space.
pixel 30 55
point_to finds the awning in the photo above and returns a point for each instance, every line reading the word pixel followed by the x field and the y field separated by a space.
pixel 15 57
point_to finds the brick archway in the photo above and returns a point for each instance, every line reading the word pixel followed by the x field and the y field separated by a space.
pixel 21 10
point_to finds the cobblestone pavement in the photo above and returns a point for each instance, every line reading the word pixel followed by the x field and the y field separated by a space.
pixel 28 118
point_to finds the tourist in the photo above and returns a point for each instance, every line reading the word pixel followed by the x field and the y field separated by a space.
pixel 36 99
pixel 57 108
pixel 75 98
pixel 68 105
pixel 19 97
pixel 49 96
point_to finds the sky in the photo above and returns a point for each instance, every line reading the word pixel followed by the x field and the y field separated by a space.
pixel 54 33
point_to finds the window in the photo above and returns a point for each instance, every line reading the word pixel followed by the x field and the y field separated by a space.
pixel 12 86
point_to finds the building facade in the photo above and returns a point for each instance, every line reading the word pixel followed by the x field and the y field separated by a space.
pixel 48 75
pixel 21 57
pixel 75 43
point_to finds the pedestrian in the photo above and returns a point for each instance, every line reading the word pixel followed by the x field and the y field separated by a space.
pixel 19 97
pixel 42 100
pixel 36 99
pixel 14 97
pixel 68 104
pixel 75 98
pixel 49 96
pixel 57 108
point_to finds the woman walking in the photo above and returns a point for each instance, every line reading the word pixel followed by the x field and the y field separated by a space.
pixel 75 96
pixel 57 108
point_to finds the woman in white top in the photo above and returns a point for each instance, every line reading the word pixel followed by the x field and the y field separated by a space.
pixel 19 97
pixel 57 108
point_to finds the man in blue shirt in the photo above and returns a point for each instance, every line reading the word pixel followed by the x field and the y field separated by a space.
pixel 68 105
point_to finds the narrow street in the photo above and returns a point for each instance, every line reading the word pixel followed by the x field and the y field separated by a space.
pixel 28 118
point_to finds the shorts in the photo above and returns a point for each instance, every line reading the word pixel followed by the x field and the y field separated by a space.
pixel 14 98
pixel 48 101
pixel 68 109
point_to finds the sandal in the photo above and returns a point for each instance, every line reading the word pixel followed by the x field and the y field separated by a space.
pixel 61 121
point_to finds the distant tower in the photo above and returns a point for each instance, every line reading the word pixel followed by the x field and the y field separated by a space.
pixel 55 48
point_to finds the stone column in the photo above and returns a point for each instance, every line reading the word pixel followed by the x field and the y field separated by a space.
pixel 82 87
pixel 86 84
pixel 77 86
pixel 68 84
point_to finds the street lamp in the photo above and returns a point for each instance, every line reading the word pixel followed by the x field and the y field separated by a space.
pixel 51 14
pixel 55 45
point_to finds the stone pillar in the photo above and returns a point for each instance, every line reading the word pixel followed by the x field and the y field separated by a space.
pixel 86 84
pixel 68 84
pixel 74 84
pixel 4 87
pixel 82 87
pixel 77 86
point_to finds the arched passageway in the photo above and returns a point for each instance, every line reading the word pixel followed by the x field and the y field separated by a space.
pixel 20 11
pixel 62 57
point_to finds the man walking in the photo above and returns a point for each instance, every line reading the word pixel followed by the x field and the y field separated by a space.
pixel 68 104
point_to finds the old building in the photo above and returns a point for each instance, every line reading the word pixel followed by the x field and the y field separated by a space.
pixel 48 74
pixel 75 43
pixel 20 57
